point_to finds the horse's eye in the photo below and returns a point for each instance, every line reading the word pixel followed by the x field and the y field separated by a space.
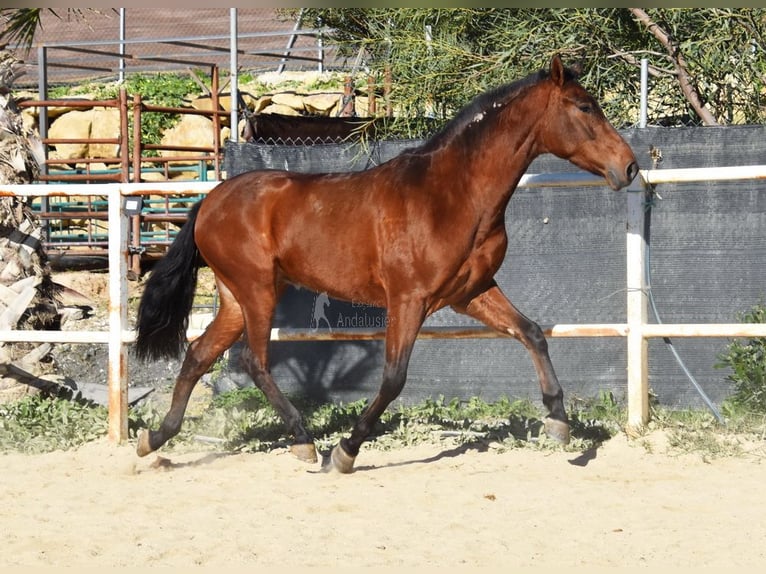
pixel 585 108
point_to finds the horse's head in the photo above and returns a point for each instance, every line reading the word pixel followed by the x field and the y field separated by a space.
pixel 576 129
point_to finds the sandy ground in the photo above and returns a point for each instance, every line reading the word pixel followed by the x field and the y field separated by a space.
pixel 621 505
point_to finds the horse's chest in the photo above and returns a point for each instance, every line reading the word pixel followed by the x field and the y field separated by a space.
pixel 477 269
pixel 487 257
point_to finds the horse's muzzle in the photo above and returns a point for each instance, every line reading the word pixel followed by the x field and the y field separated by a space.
pixel 617 180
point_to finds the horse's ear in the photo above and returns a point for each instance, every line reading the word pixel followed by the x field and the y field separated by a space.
pixel 578 68
pixel 557 70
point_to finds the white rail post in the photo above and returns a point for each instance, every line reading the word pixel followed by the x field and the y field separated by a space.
pixel 636 309
pixel 117 377
pixel 638 364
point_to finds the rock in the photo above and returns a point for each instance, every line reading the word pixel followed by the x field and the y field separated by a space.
pixel 205 103
pixel 287 76
pixel 55 112
pixel 94 167
pixel 71 125
pixel 224 102
pixel 105 124
pixel 29 120
pixel 322 104
pixel 190 131
pixel 152 176
pixel 99 394
pixel 280 109
pixel 361 105
pixel 202 103
pixel 260 104
pixel 194 131
pixel 289 100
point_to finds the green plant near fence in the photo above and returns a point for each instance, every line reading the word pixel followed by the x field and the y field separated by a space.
pixel 747 361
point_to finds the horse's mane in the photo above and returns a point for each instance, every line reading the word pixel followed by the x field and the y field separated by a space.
pixel 488 103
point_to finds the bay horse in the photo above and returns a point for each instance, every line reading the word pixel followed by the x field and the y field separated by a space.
pixel 420 232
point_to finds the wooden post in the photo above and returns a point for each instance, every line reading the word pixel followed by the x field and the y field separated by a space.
pixel 387 92
pixel 371 104
pixel 638 375
pixel 348 98
pixel 137 151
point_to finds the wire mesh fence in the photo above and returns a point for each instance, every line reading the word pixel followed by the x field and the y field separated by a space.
pixel 104 44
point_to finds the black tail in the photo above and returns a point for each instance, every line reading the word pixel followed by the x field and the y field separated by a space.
pixel 163 313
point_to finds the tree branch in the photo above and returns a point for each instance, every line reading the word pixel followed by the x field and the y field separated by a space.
pixel 684 79
pixel 631 59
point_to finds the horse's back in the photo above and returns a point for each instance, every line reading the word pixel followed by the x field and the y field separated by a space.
pixel 317 230
pixel 348 234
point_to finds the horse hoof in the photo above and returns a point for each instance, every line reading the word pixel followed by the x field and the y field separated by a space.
pixel 557 430
pixel 306 452
pixel 143 447
pixel 341 461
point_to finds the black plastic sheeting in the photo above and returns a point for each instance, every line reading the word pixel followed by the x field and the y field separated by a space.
pixel 565 264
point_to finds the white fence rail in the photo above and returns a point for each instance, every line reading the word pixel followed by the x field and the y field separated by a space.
pixel 636 330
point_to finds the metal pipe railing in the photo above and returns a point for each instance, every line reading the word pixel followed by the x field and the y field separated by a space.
pixel 635 329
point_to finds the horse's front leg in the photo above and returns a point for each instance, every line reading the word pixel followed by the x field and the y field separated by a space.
pixel 493 308
pixel 403 323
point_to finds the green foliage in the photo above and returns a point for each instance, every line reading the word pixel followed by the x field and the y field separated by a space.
pixel 690 431
pixel 332 81
pixel 93 90
pixel 161 90
pixel 40 424
pixel 469 50
pixel 747 361
pixel 597 419
pixel 243 421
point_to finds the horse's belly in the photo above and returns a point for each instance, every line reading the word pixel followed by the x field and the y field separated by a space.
pixel 341 278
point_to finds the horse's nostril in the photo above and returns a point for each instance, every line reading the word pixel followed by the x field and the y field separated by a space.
pixel 632 171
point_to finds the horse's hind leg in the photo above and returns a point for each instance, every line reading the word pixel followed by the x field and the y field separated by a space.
pixel 254 359
pixel 202 352
pixel 493 308
pixel 303 446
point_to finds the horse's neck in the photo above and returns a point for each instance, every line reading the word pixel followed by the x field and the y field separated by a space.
pixel 495 168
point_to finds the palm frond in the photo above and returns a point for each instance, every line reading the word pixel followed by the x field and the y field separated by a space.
pixel 20 25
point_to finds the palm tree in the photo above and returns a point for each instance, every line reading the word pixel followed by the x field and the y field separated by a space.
pixel 21 24
pixel 26 288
